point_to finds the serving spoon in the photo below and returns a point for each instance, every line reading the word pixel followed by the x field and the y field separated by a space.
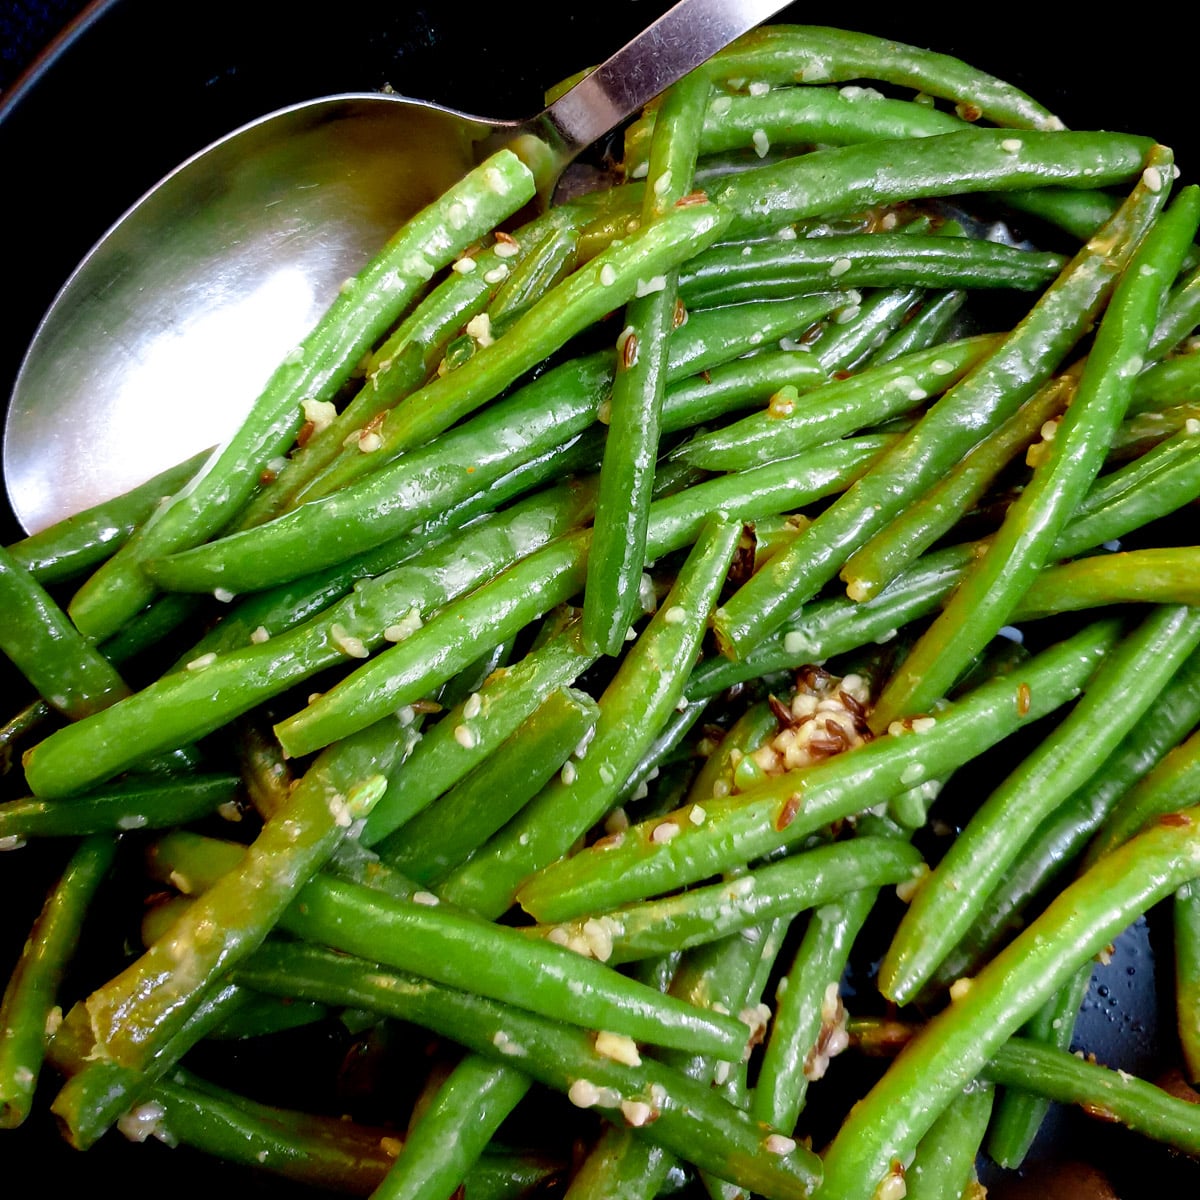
pixel 162 337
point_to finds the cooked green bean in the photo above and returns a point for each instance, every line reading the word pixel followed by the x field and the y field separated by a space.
pixel 32 991
pixel 983 601
pixel 953 1047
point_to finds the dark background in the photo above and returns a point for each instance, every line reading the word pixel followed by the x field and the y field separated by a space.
pixel 141 84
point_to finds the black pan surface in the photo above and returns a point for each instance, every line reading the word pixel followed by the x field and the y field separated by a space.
pixel 134 86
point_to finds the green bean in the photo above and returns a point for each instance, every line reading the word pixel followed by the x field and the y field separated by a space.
pixel 98 1091
pixel 1186 943
pixel 858 330
pixel 647 686
pixel 944 1162
pixel 982 602
pixel 873 565
pixel 724 273
pixel 71 675
pixel 1120 1097
pixel 1061 838
pixel 403 926
pixel 471 733
pixel 398 498
pixel 953 1047
pixel 403 362
pixel 188 703
pixel 634 416
pixel 870 397
pixel 322 362
pixel 621 1166
pixel 318 1151
pixel 786 809
pixel 138 804
pixel 725 766
pixel 987 396
pixel 1180 315
pixel 32 991
pixel 137 1010
pixel 594 289
pixel 1168 785
pixel 549 577
pixel 432 843
pixel 450 1135
pixel 704 914
pixel 69 547
pixel 947 902
pixel 818 54
pixel 848 179
pixel 931 323
pixel 689 1119
pixel 794 116
pixel 1171 381
pixel 806 1030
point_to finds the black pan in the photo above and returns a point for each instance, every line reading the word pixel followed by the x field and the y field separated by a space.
pixel 135 86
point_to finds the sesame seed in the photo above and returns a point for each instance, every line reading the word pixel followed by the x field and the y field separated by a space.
pixel 636 1112
pixel 369 441
pixel 497 274
pixel 662 184
pixel 619 1048
pixel 675 615
pixel 647 287
pixel 761 142
pixel 224 595
pixel 1152 178
pixel 664 832
pixel 346 642
pixel 205 660
pixel 721 105
pixel 464 265
pixel 473 706
pixel 465 737
pixel 1011 145
pixel 426 898
pixel 777 1143
pixel 608 275
pixel 840 267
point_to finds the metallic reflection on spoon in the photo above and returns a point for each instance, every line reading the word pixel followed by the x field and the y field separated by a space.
pixel 253 233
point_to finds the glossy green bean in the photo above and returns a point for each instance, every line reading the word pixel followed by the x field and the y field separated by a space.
pixel 690 1120
pixel 363 309
pixel 646 687
pixel 437 840
pixel 944 907
pixel 136 1011
pixel 617 553
pixel 784 810
pixel 724 273
pixel 32 991
pixel 982 602
pixel 66 549
pixel 189 703
pixel 135 804
pixel 801 881
pixel 987 396
pixel 953 1047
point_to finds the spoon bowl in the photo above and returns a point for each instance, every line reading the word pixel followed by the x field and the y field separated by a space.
pixel 164 334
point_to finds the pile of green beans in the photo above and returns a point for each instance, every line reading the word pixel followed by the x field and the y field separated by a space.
pixel 619 642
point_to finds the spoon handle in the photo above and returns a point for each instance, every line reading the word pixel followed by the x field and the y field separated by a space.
pixel 681 39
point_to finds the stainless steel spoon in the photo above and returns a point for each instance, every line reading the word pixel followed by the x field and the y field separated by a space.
pixel 164 334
